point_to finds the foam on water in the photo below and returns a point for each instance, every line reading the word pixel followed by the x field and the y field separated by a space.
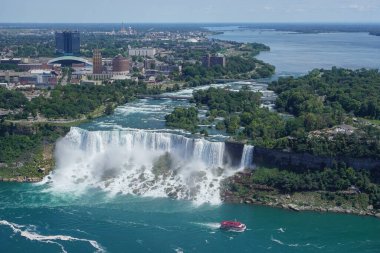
pixel 142 107
pixel 178 250
pixel 28 233
pixel 295 244
pixel 122 162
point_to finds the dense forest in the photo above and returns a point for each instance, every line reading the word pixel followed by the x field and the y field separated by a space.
pixel 357 92
pixel 10 66
pixel 16 140
pixel 227 101
pixel 184 118
pixel 27 150
pixel 339 184
pixel 12 99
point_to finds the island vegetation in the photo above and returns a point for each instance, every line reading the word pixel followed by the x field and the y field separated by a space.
pixel 184 118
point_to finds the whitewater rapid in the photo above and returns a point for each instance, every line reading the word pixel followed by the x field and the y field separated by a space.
pixel 29 233
pixel 125 162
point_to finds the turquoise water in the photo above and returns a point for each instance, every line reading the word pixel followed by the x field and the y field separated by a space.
pixel 132 224
pixel 79 213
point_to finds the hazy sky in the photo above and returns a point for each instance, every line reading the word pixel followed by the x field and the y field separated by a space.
pixel 190 11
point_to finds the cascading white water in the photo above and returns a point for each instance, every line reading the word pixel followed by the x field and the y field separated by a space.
pixel 123 162
pixel 247 157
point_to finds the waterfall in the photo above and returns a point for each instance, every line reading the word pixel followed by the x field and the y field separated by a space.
pixel 92 142
pixel 125 162
pixel 142 162
pixel 247 157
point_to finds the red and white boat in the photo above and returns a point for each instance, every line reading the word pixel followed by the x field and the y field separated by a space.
pixel 233 226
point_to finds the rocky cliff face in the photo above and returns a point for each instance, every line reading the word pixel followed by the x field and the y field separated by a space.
pixel 233 153
pixel 282 159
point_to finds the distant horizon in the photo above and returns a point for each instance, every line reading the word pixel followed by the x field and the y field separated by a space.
pixel 198 11
pixel 213 23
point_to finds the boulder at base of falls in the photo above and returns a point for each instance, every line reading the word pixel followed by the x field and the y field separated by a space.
pixel 162 165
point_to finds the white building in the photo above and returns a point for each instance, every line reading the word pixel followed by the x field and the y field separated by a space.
pixel 150 52
pixel 4 85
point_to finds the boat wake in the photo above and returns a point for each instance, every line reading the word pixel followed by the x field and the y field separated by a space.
pixel 28 233
pixel 145 163
pixel 210 225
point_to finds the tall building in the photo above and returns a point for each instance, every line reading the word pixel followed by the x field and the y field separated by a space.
pixel 120 64
pixel 67 43
pixel 122 29
pixel 209 61
pixel 206 61
pixel 97 64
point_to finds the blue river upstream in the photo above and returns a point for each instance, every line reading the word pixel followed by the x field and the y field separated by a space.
pixel 104 197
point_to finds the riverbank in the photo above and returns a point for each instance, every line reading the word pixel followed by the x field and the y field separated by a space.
pixel 239 189
pixel 21 179
pixel 28 150
pixel 39 163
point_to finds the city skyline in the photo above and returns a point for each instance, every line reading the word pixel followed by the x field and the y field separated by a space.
pixel 196 11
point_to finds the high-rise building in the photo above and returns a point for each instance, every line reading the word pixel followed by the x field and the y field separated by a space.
pixel 97 64
pixel 120 64
pixel 209 61
pixel 67 43
pixel 206 61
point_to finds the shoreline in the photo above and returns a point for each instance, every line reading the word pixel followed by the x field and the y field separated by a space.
pixel 21 179
pixel 297 208
pixel 263 195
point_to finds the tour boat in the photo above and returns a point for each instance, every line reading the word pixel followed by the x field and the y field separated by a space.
pixel 233 226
